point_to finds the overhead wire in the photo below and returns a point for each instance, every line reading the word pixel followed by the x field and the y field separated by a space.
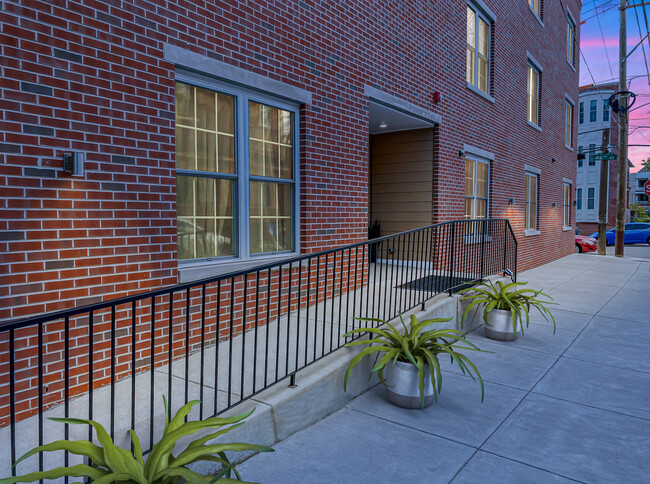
pixel 602 36
pixel 645 59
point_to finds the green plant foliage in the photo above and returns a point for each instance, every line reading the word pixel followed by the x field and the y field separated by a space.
pixel 111 463
pixel 420 348
pixel 640 214
pixel 507 297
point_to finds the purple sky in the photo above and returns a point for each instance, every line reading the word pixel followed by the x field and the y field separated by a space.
pixel 596 49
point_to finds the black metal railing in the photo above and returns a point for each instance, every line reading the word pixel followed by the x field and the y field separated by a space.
pixel 220 340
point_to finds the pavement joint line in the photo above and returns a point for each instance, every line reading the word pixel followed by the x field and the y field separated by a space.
pixel 582 404
pixel 605 364
pixel 411 428
pixel 537 351
pixel 618 319
pixel 617 292
pixel 528 392
pixel 523 463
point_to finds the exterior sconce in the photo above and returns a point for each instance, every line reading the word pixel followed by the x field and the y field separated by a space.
pixel 74 163
pixel 552 160
pixel 461 153
pixel 553 205
pixel 575 202
pixel 511 201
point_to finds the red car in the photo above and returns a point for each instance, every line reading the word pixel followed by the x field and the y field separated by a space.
pixel 585 243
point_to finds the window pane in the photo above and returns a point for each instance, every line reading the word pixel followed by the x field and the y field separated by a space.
pixel 471 27
pixel 205 216
pixel 469 178
pixel 271 216
pixel 483 37
pixel 483 74
pixel 185 149
pixel 226 113
pixel 481 208
pixel 226 154
pixel 590 198
pixel 470 65
pixel 481 180
pixel 533 90
pixel 605 110
pixel 184 104
pixel 206 151
pixel 469 208
pixel 205 109
pixel 579 198
pixel 270 155
pixel 593 110
pixel 569 117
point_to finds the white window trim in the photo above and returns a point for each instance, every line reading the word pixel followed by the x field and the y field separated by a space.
pixel 573 115
pixel 538 17
pixel 194 269
pixel 566 182
pixel 537 66
pixel 482 10
pixel 582 104
pixel 572 20
pixel 485 161
pixel 536 172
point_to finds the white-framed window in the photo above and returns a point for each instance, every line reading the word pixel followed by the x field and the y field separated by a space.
pixel 592 155
pixel 236 172
pixel 580 161
pixel 535 6
pixel 579 199
pixel 533 94
pixel 568 125
pixel 570 40
pixel 581 113
pixel 566 205
pixel 591 198
pixel 605 110
pixel 593 111
pixel 531 201
pixel 478 50
pixel 476 188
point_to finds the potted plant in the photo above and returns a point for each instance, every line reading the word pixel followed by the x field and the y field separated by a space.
pixel 110 463
pixel 505 307
pixel 409 366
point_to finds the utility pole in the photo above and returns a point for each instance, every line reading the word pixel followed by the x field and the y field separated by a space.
pixel 602 196
pixel 622 131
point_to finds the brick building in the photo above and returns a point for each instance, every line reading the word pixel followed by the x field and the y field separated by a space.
pixel 594 117
pixel 215 135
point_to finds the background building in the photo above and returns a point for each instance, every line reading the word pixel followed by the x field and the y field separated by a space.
pixel 637 192
pixel 595 116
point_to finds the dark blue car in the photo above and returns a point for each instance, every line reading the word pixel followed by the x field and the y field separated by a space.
pixel 635 233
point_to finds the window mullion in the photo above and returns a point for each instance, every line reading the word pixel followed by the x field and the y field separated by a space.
pixel 243 172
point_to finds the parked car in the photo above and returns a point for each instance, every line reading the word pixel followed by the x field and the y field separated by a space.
pixel 585 243
pixel 635 233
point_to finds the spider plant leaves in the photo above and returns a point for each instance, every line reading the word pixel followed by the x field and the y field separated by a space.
pixel 79 470
pixel 416 346
pixel 77 447
pixel 114 464
pixel 509 297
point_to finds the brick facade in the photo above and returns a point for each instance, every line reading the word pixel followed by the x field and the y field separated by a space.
pixel 92 77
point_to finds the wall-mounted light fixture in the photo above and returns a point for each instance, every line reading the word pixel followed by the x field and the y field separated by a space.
pixel 511 201
pixel 74 163
pixel 461 153
pixel 383 125
pixel 552 160
pixel 575 202
pixel 553 204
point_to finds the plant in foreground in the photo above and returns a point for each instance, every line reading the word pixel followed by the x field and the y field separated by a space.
pixel 111 463
pixel 508 298
pixel 416 346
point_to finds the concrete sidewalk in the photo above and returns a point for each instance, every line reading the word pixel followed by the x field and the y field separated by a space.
pixel 574 406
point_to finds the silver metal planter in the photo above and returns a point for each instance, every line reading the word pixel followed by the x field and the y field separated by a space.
pixel 403 390
pixel 499 325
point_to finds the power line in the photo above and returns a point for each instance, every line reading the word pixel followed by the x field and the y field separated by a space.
pixel 636 14
pixel 609 62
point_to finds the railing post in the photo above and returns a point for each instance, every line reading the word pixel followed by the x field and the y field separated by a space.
pixel 451 260
pixel 292 381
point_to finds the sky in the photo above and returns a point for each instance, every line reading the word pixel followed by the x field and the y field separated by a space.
pixel 599 35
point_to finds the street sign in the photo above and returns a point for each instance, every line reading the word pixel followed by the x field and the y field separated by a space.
pixel 646 188
pixel 605 156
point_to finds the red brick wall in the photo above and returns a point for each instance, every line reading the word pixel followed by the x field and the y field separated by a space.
pixel 91 77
